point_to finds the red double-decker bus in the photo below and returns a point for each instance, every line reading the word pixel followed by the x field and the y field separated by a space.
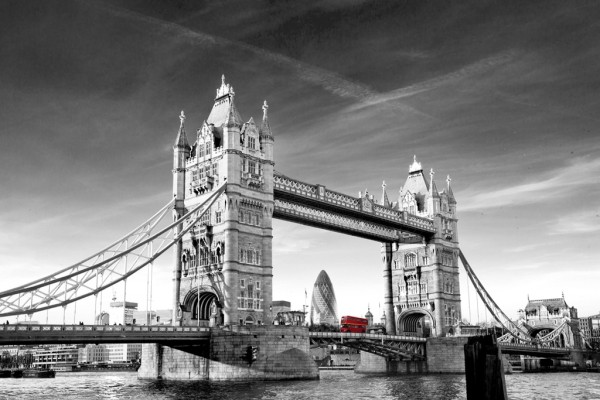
pixel 354 324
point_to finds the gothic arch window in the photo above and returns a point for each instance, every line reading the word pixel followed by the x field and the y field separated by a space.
pixel 447 259
pixel 448 286
pixel 410 260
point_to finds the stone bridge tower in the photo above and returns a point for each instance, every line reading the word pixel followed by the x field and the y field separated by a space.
pixel 223 266
pixel 425 283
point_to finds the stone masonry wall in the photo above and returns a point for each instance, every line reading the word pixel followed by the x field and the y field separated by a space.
pixel 374 364
pixel 283 353
pixel 446 355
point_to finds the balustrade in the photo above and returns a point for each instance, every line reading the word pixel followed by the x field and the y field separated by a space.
pixel 348 202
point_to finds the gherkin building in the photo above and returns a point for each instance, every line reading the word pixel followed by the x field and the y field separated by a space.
pixel 323 305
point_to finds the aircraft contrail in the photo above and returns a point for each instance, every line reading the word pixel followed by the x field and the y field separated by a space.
pixel 328 80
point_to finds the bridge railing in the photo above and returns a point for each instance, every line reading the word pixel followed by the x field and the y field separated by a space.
pixel 102 328
pixel 350 335
pixel 527 346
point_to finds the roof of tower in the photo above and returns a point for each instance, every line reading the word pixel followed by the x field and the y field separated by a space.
pixel 323 278
pixel 181 140
pixel 548 303
pixel 224 111
pixel 416 182
pixel 415 166
pixel 265 128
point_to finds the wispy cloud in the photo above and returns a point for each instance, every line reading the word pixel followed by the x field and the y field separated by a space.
pixel 326 79
pixel 291 241
pixel 579 174
pixel 579 222
pixel 523 267
pixel 522 249
pixel 452 77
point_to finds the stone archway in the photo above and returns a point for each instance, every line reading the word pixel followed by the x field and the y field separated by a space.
pixel 203 307
pixel 416 323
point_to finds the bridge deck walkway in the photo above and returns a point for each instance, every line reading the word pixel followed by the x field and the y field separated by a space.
pixel 75 334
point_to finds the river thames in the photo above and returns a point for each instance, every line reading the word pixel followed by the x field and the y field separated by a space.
pixel 332 385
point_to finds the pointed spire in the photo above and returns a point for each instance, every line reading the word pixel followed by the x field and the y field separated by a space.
pixel 233 116
pixel 225 89
pixel 265 128
pixel 433 192
pixel 449 189
pixel 415 166
pixel 181 140
pixel 224 111
pixel 384 197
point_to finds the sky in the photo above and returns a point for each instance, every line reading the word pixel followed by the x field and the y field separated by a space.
pixel 503 96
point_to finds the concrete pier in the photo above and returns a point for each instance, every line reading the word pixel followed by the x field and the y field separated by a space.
pixel 236 354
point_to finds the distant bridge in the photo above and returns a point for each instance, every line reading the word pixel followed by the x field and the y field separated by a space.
pixel 533 350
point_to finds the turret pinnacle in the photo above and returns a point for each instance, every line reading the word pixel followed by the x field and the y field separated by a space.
pixel 265 128
pixel 449 188
pixel 224 111
pixel 384 197
pixel 233 116
pixel 181 140
pixel 433 192
pixel 415 166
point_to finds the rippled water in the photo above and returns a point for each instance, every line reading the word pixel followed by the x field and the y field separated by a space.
pixel 332 385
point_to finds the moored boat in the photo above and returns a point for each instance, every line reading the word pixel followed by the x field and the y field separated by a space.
pixel 17 373
pixel 39 373
pixel 4 373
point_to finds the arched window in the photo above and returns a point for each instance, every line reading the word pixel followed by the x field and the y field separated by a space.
pixel 410 260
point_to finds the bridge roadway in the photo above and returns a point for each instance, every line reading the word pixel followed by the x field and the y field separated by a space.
pixel 403 348
pixel 317 206
pixel 399 347
pixel 76 334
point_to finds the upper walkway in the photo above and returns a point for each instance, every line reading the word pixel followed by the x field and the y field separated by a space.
pixel 315 205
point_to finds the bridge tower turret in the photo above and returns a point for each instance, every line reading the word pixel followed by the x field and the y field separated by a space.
pixel 181 152
pixel 425 276
pixel 226 262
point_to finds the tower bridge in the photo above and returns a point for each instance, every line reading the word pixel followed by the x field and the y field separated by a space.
pixel 226 193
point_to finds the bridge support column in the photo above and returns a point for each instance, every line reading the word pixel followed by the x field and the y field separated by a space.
pixel 388 292
pixel 176 316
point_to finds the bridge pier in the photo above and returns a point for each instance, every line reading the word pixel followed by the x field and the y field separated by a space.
pixel 240 353
pixel 388 291
pixel 374 364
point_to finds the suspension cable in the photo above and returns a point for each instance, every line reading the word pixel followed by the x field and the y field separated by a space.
pixel 75 279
